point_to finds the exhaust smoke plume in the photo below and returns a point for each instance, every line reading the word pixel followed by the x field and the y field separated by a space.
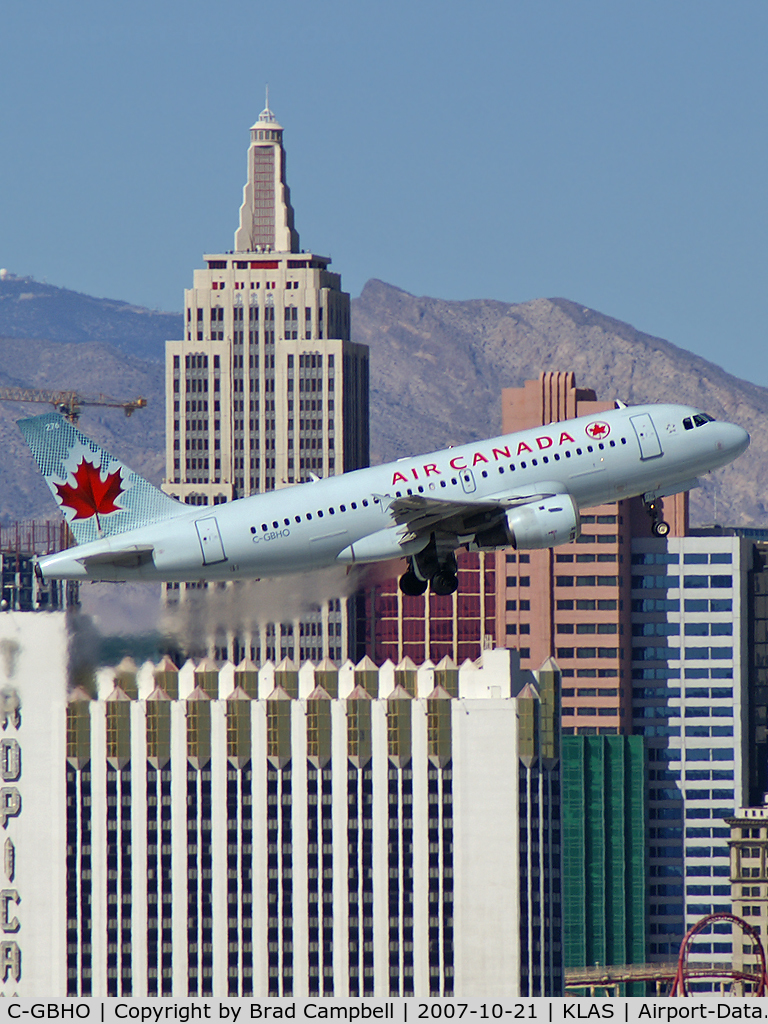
pixel 242 608
pixel 116 617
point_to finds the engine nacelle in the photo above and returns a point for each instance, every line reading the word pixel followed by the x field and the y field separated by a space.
pixel 541 524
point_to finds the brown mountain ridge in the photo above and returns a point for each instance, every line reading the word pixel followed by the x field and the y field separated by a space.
pixel 438 368
pixel 437 371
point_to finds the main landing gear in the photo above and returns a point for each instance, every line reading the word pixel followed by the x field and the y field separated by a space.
pixel 658 526
pixel 431 567
pixel 411 585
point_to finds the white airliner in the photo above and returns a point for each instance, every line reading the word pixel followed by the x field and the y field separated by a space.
pixel 522 490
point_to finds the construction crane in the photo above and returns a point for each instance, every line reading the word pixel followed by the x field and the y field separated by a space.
pixel 68 403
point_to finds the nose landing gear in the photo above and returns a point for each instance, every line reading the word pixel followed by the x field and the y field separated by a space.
pixel 659 527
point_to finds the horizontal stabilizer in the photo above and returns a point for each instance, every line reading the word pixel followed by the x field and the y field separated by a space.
pixel 124 558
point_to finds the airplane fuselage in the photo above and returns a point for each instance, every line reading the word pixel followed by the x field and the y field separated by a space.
pixel 629 451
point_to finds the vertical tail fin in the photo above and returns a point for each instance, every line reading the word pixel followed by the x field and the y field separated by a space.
pixel 97 494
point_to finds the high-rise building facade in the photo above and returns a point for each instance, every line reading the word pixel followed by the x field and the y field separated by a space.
pixel 604 871
pixel 757 645
pixel 458 626
pixel 748 847
pixel 690 672
pixel 234 831
pixel 265 389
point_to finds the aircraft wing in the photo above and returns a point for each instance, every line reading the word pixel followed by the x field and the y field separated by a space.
pixel 422 515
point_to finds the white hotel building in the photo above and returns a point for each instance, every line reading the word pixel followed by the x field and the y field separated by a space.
pixel 233 831
pixel 690 672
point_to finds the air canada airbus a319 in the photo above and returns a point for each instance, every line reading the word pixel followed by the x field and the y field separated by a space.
pixel 522 490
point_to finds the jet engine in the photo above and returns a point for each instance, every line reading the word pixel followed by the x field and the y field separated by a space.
pixel 540 524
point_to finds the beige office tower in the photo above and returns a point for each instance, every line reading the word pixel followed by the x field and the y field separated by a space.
pixel 749 869
pixel 265 390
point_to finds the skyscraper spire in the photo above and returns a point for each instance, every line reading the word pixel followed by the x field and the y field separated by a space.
pixel 266 115
pixel 266 215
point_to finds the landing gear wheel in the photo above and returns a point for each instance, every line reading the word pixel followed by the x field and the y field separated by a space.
pixel 658 527
pixel 444 583
pixel 411 585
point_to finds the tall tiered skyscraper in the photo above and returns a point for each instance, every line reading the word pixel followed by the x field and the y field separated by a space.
pixel 265 389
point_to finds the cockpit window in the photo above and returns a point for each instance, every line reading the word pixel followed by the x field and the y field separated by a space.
pixel 701 418
pixel 688 423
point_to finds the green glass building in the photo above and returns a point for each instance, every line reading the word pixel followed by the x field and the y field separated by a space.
pixel 603 809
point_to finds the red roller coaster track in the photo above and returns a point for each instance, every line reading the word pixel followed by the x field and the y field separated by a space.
pixel 679 986
pixel 677 974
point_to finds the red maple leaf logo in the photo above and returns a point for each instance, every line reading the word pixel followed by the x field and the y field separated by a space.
pixel 598 430
pixel 91 496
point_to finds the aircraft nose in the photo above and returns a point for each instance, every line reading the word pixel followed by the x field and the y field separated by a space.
pixel 734 439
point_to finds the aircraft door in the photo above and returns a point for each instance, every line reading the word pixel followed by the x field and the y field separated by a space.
pixel 210 540
pixel 468 480
pixel 648 439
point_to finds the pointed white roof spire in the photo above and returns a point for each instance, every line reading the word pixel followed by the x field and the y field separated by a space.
pixel 266 214
pixel 266 117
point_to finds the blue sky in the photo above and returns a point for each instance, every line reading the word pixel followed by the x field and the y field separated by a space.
pixel 613 153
